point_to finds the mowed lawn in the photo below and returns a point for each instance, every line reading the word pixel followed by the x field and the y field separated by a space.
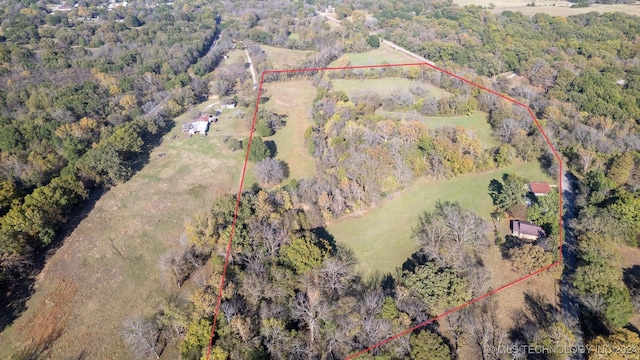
pixel 477 120
pixel 234 56
pixel 282 58
pixel 381 239
pixel 294 99
pixel 382 55
pixel 109 265
pixel 385 85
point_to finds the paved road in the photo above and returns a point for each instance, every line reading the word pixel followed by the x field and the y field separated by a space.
pixel 568 301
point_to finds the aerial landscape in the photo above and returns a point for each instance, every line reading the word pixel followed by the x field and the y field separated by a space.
pixel 319 179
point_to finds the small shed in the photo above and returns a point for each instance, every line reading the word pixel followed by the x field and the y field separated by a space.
pixel 539 188
pixel 231 104
pixel 526 230
pixel 207 117
pixel 199 127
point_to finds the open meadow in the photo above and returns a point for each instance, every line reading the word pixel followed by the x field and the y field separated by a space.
pixel 107 270
pixel 281 58
pixel 382 55
pixel 381 238
pixel 234 56
pixel 294 99
pixel 385 85
pixel 551 7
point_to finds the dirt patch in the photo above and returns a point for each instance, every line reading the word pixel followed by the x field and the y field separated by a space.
pixel 630 255
pixel 511 301
pixel 48 322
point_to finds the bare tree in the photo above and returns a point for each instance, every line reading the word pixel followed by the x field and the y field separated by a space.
pixel 335 277
pixel 269 171
pixel 464 226
pixel 178 264
pixel 373 330
pixel 142 336
pixel 444 234
pixel 429 107
pixel 483 331
pixel 311 311
pixel 276 338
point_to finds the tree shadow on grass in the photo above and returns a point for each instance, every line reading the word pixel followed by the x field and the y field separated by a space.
pixel 510 242
pixel 151 141
pixel 323 234
pixel 285 170
pixel 631 278
pixel 538 313
pixel 273 148
pixel 414 261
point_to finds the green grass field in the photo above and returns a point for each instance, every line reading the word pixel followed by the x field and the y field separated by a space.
pixel 234 56
pixel 381 55
pixel 384 86
pixel 477 120
pixel 282 58
pixel 381 239
pixel 112 257
pixel 293 98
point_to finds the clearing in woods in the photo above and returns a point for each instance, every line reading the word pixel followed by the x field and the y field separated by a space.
pixel 382 55
pixel 294 99
pixel 107 270
pixel 385 85
pixel 381 238
pixel 389 225
pixel 285 58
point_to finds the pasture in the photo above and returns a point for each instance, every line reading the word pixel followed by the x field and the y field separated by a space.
pixel 281 58
pixel 381 238
pixel 107 270
pixel 385 85
pixel 294 99
pixel 382 55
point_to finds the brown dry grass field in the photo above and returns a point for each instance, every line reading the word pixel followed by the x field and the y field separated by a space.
pixel 285 58
pixel 551 7
pixel 107 270
pixel 385 54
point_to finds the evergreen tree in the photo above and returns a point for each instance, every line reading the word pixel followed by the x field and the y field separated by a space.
pixel 428 345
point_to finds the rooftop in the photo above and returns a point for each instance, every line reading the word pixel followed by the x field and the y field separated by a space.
pixel 527 228
pixel 539 187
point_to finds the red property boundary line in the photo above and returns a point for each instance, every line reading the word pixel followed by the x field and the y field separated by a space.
pixel 446 313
